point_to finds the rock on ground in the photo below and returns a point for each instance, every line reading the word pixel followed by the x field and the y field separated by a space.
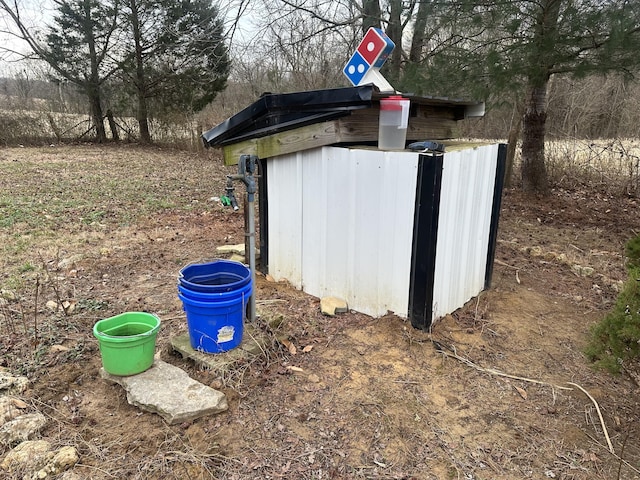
pixel 12 384
pixel 62 460
pixel 10 408
pixel 170 392
pixel 36 460
pixel 27 456
pixel 332 305
pixel 21 428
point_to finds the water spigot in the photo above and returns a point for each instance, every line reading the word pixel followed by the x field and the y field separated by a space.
pixel 230 193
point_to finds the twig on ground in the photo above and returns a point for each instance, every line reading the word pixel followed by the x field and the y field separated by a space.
pixel 578 249
pixel 475 317
pixel 78 465
pixel 35 315
pixel 624 444
pixel 499 262
pixel 178 317
pixel 604 427
pixel 615 455
pixel 492 371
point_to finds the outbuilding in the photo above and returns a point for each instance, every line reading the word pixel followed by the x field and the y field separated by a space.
pixel 411 232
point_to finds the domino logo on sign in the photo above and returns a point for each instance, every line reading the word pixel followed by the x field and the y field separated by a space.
pixel 375 47
pixel 372 52
pixel 356 68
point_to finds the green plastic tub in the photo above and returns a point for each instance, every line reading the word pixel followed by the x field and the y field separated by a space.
pixel 127 342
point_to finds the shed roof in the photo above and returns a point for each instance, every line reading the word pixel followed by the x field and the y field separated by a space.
pixel 273 113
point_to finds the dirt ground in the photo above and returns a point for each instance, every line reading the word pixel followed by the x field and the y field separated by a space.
pixel 108 229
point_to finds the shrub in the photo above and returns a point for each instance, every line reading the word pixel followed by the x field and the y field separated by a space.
pixel 632 251
pixel 616 339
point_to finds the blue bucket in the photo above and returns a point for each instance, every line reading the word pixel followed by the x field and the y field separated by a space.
pixel 214 327
pixel 218 276
pixel 243 292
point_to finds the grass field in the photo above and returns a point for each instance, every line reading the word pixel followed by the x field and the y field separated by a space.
pixel 87 232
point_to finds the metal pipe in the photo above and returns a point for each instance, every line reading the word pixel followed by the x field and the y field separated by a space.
pixel 246 169
pixel 252 256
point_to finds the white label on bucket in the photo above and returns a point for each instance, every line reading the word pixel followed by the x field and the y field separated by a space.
pixel 225 334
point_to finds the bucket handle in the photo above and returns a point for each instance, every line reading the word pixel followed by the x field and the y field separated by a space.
pixel 153 331
pixel 198 262
pixel 214 260
pixel 404 123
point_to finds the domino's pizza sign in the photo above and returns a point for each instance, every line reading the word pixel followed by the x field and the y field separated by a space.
pixel 373 51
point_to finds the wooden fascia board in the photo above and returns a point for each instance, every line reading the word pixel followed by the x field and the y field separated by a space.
pixel 303 138
pixel 351 129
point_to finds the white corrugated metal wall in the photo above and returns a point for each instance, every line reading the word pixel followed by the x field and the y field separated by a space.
pixel 466 202
pixel 284 190
pixel 341 223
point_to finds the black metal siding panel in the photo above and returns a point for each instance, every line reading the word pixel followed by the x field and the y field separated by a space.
pixel 423 250
pixel 495 212
pixel 263 216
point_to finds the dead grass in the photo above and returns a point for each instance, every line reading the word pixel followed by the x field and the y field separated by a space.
pixel 19 127
pixel 369 398
pixel 609 165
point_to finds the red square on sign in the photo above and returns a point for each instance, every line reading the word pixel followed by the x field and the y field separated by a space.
pixel 371 46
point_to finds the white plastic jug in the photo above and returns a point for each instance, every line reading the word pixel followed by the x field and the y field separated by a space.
pixel 394 118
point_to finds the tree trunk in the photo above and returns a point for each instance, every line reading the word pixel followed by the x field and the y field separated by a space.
pixel 534 172
pixel 371 15
pixel 96 113
pixel 394 32
pixel 93 90
pixel 140 82
pixel 512 143
pixel 418 38
pixel 113 126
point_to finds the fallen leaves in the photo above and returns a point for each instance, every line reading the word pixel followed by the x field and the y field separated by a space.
pixel 521 391
pixel 290 346
pixel 293 350
pixel 19 403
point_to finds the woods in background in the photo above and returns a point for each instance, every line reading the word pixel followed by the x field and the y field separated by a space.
pixel 162 56
pixel 550 66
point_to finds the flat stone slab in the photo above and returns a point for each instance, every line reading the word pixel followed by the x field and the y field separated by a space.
pixel 238 249
pixel 253 343
pixel 170 392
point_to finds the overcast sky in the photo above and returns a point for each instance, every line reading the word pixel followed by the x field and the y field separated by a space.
pixel 38 13
pixel 34 13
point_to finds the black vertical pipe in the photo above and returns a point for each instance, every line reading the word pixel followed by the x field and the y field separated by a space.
pixel 263 216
